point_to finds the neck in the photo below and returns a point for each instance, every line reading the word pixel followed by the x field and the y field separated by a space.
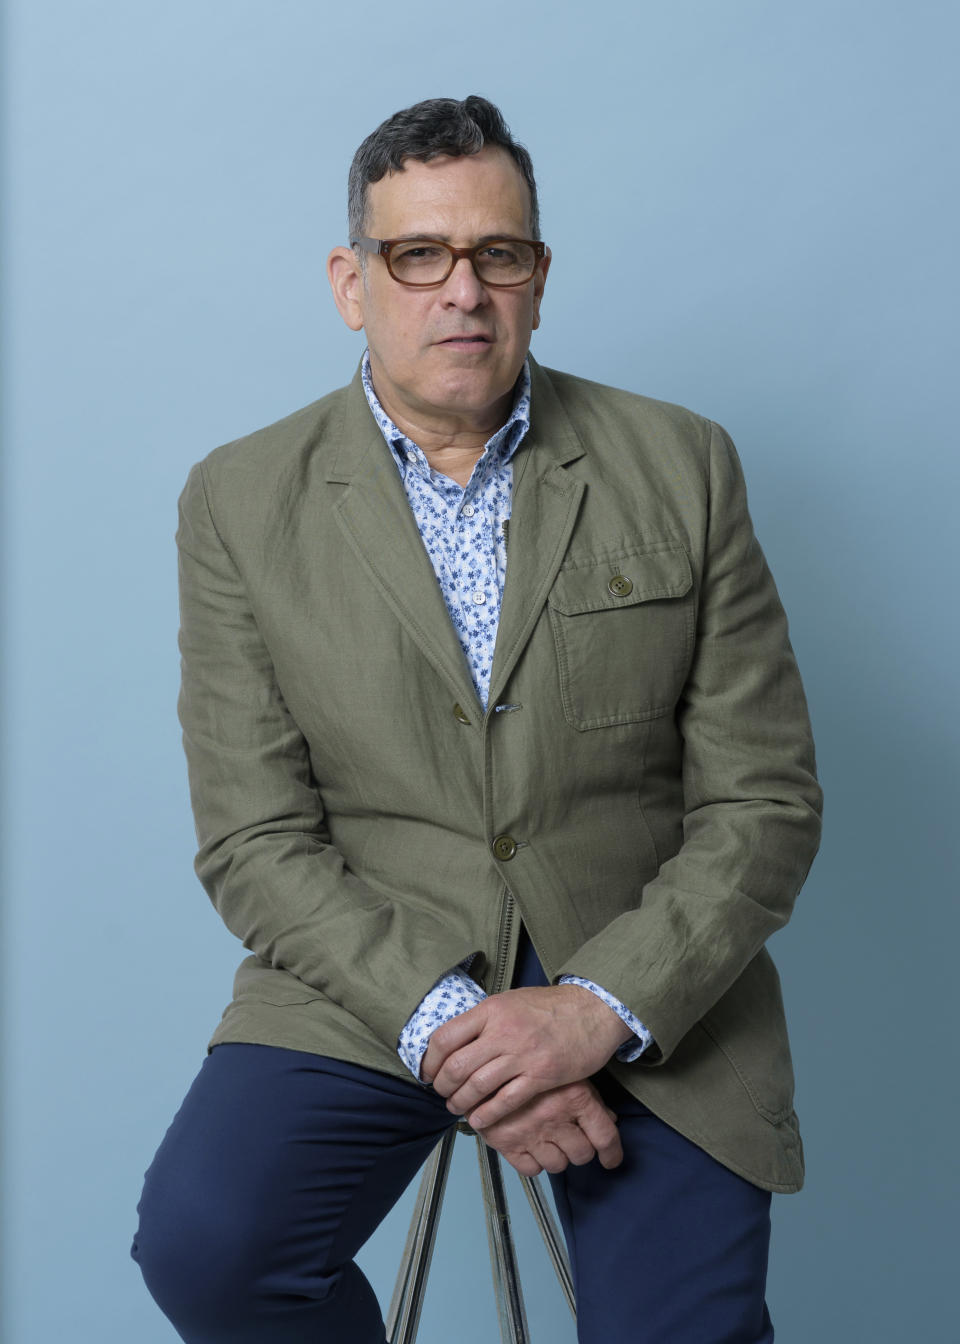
pixel 437 433
pixel 452 444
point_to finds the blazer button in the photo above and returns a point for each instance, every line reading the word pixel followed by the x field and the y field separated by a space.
pixel 460 716
pixel 504 847
pixel 620 586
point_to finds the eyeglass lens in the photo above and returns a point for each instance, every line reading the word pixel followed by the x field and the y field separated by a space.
pixel 421 262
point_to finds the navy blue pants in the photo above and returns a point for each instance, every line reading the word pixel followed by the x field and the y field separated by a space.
pixel 280 1164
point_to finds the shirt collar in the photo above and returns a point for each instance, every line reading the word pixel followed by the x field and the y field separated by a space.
pixel 498 450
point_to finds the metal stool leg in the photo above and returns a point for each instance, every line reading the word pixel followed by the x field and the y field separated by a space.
pixel 551 1235
pixel 403 1318
pixel 503 1259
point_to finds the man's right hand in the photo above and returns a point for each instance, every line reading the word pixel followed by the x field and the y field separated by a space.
pixel 566 1124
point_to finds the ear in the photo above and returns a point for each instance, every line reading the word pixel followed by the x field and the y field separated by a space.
pixel 539 280
pixel 346 282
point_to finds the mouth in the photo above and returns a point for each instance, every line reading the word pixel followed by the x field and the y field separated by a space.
pixel 475 341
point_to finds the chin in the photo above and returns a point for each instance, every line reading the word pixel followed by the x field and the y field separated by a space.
pixel 468 390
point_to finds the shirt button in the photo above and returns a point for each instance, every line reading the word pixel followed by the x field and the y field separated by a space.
pixel 619 586
pixel 504 847
pixel 468 510
pixel 410 456
pixel 479 598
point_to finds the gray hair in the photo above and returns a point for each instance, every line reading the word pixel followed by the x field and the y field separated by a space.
pixel 424 131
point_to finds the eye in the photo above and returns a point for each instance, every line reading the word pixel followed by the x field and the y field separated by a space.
pixel 414 252
pixel 500 254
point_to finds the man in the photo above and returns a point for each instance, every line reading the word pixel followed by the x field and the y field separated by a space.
pixel 502 773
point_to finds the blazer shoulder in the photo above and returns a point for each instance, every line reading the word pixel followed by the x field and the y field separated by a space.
pixel 268 455
pixel 587 401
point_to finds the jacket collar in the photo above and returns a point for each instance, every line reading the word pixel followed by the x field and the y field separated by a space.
pixel 551 432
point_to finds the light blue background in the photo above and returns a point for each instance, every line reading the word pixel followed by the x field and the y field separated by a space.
pixel 770 192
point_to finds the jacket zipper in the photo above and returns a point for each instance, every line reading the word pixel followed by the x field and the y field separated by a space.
pixel 504 936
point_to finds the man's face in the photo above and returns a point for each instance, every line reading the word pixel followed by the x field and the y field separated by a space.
pixel 449 353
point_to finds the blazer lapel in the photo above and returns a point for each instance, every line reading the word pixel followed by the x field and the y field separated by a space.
pixel 546 501
pixel 378 523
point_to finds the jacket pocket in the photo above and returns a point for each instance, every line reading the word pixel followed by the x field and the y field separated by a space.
pixel 255 980
pixel 623 627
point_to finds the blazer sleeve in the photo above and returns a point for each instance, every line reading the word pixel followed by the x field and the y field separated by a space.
pixel 752 804
pixel 265 856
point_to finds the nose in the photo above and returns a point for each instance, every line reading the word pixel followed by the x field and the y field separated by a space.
pixel 463 288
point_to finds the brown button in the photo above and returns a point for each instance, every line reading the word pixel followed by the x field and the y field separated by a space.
pixel 460 716
pixel 620 586
pixel 504 847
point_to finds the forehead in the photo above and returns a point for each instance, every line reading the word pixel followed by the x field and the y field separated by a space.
pixel 472 196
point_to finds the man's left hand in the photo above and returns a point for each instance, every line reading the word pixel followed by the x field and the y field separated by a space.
pixel 517 1044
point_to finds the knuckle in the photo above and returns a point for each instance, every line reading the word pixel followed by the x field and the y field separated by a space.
pixel 484 1080
pixel 456 1069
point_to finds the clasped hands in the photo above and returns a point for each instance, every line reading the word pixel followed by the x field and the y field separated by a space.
pixel 518 1066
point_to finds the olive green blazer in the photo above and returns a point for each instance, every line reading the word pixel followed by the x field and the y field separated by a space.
pixel 647 806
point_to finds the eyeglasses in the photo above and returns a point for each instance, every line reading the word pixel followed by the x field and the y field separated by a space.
pixel 500 262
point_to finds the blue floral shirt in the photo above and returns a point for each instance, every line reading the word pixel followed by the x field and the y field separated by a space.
pixel 463 533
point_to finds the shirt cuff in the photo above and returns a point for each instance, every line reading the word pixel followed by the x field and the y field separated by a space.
pixel 630 1050
pixel 452 995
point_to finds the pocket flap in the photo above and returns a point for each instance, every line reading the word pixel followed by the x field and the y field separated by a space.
pixel 598 585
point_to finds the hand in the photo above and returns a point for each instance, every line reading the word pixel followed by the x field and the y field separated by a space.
pixel 517 1044
pixel 567 1124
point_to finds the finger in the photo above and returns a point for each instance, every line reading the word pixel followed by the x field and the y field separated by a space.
pixel 508 1098
pixel 461 1065
pixel 523 1162
pixel 483 1088
pixel 550 1156
pixel 430 1063
pixel 482 1085
pixel 434 1058
pixel 451 1036
pixel 573 1141
pixel 602 1132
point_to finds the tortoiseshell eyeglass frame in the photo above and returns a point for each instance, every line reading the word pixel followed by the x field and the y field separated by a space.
pixel 382 247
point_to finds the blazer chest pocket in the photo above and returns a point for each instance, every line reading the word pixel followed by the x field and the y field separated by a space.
pixel 623 627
